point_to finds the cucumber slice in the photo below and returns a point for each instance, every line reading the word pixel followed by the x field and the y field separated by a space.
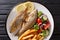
pixel 44 18
pixel 36 27
pixel 44 33
pixel 39 13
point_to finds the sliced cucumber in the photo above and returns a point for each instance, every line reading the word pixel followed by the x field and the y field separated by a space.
pixel 39 13
pixel 36 27
pixel 44 18
pixel 44 33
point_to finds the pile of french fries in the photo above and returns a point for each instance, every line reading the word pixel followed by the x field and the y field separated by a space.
pixel 30 34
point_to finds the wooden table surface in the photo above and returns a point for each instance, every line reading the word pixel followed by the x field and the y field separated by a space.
pixel 7 5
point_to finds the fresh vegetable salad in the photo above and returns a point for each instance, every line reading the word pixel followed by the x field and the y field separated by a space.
pixel 42 25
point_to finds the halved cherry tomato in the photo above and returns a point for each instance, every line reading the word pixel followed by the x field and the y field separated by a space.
pixel 39 21
pixel 46 26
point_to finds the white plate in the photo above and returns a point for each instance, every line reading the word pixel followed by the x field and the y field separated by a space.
pixel 39 7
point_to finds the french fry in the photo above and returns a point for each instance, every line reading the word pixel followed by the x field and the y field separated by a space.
pixel 38 37
pixel 41 38
pixel 34 36
pixel 29 39
pixel 34 39
pixel 29 36
pixel 26 33
pixel 32 31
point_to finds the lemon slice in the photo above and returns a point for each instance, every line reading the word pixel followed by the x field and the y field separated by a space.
pixel 27 5
pixel 20 7
pixel 30 6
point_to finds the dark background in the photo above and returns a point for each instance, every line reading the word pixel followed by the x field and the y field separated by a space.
pixel 7 5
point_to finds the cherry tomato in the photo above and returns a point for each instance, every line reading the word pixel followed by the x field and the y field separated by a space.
pixel 39 21
pixel 47 25
pixel 39 31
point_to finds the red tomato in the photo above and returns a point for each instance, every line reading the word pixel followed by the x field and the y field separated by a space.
pixel 47 25
pixel 39 31
pixel 39 21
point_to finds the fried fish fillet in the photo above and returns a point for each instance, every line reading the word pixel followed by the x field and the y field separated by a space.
pixel 17 22
pixel 30 20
